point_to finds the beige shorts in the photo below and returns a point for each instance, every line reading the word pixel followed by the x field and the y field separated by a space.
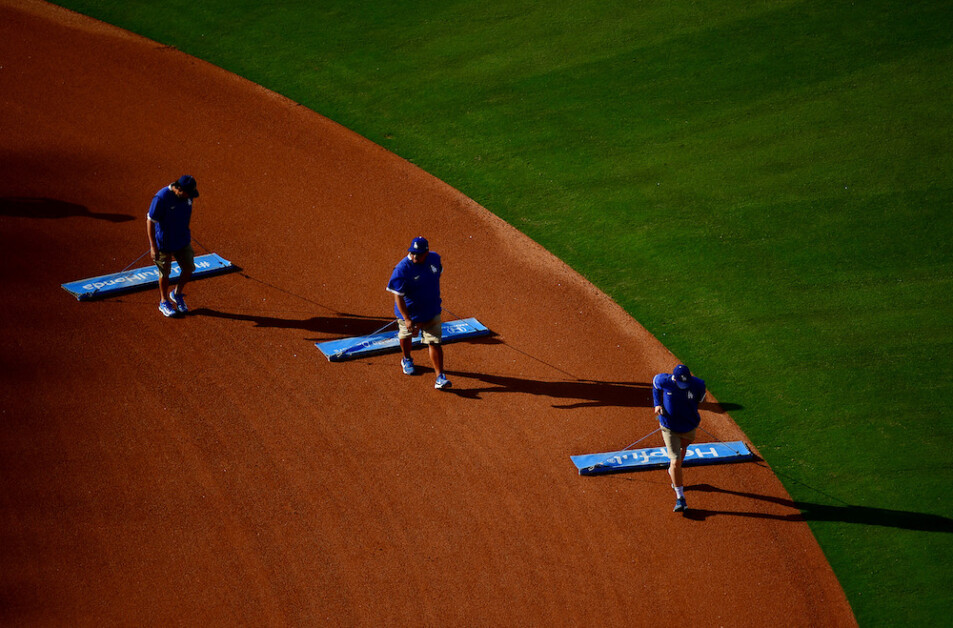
pixel 184 256
pixel 431 331
pixel 675 440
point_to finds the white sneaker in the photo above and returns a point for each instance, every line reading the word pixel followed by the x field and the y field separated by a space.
pixel 179 301
pixel 167 309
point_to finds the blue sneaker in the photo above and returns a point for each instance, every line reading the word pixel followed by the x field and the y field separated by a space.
pixel 407 365
pixel 442 382
pixel 167 310
pixel 179 301
pixel 680 505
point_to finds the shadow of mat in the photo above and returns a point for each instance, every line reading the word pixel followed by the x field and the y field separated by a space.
pixel 809 511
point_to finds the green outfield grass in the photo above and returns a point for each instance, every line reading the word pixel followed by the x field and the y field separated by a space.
pixel 766 186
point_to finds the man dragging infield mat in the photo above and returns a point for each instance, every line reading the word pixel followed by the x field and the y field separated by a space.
pixel 415 284
pixel 676 397
pixel 169 237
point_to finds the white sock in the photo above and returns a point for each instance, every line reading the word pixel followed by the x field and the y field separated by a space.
pixel 679 491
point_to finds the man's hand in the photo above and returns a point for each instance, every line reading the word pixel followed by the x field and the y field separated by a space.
pixel 659 410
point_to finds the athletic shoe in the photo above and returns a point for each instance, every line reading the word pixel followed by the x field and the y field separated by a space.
pixel 407 365
pixel 179 301
pixel 442 382
pixel 680 505
pixel 167 309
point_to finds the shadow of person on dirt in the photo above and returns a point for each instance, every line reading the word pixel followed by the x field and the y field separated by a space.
pixel 588 393
pixel 591 393
pixel 337 323
pixel 49 208
pixel 809 511
pixel 342 325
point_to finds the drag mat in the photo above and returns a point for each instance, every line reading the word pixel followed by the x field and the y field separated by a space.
pixel 217 470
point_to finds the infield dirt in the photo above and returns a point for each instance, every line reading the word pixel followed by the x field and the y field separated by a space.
pixel 217 469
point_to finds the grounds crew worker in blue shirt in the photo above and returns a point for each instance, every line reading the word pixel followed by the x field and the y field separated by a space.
pixel 676 397
pixel 415 284
pixel 170 237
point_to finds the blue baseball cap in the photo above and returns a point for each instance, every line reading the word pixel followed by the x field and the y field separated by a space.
pixel 681 375
pixel 187 184
pixel 419 245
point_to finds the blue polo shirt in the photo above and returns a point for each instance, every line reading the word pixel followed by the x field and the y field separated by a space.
pixel 171 216
pixel 680 405
pixel 419 284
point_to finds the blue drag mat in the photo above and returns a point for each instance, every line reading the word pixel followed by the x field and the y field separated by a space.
pixel 656 458
pixel 142 278
pixel 385 342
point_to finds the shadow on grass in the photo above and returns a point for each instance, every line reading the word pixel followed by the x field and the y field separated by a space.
pixel 720 407
pixel 809 511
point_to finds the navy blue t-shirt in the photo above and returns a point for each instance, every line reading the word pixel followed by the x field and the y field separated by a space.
pixel 419 284
pixel 680 405
pixel 171 216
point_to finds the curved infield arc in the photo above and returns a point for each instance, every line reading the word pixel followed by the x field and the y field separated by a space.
pixel 218 468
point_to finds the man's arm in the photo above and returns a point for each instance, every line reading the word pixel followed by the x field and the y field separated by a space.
pixel 151 230
pixel 703 392
pixel 404 312
pixel 152 216
pixel 657 397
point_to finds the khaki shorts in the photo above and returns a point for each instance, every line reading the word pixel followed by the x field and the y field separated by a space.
pixel 673 442
pixel 431 331
pixel 184 256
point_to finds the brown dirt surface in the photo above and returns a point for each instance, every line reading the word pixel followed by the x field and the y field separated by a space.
pixel 216 469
